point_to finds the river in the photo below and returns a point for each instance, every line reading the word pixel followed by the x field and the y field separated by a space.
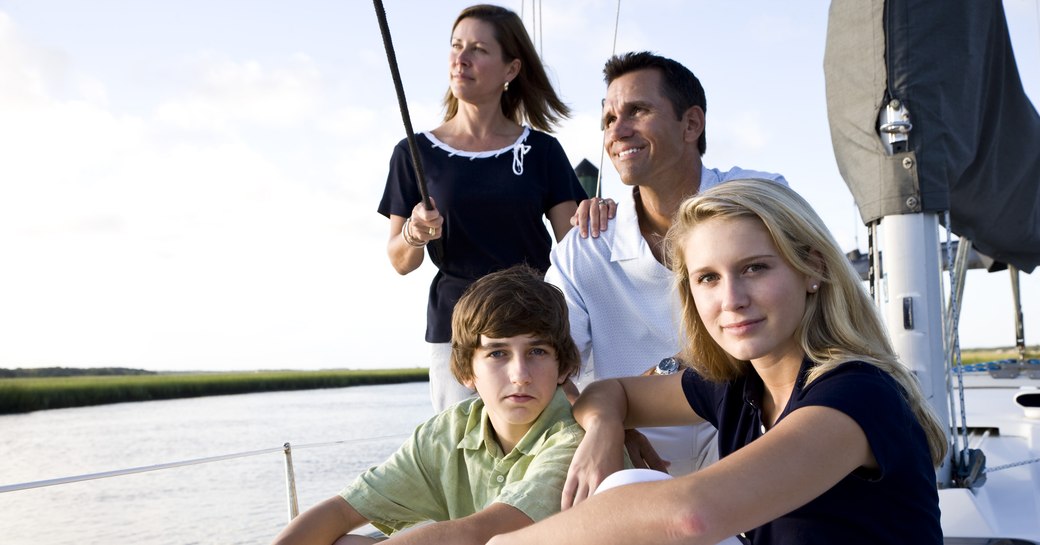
pixel 228 502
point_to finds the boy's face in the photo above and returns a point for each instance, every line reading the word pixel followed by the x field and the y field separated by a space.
pixel 517 378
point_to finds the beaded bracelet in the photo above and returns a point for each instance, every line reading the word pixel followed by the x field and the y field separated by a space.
pixel 408 239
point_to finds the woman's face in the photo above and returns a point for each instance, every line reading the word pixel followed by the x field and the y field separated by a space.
pixel 749 298
pixel 477 69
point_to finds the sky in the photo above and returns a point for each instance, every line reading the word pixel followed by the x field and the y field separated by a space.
pixel 192 185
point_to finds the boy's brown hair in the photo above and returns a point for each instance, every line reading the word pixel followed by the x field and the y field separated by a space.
pixel 510 302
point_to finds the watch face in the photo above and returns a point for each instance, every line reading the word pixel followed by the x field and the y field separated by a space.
pixel 667 366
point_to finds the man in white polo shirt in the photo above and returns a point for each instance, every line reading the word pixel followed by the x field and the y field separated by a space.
pixel 622 307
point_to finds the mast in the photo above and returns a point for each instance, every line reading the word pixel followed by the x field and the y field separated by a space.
pixel 908 289
pixel 907 284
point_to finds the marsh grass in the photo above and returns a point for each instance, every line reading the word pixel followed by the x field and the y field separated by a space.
pixel 19 395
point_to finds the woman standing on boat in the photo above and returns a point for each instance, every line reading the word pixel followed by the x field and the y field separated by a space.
pixel 491 179
pixel 823 436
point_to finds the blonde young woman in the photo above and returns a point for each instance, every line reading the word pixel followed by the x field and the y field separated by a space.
pixel 492 179
pixel 823 436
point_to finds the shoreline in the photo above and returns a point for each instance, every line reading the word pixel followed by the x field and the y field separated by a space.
pixel 86 387
pixel 22 395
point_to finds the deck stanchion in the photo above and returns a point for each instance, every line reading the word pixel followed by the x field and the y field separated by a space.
pixel 1020 332
pixel 290 483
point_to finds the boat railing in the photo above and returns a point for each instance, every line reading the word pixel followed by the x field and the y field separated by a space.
pixel 1007 368
pixel 286 449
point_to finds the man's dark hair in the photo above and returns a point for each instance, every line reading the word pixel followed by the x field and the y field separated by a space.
pixel 679 85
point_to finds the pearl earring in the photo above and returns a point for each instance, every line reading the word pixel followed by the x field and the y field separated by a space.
pixel 506 86
pixel 815 287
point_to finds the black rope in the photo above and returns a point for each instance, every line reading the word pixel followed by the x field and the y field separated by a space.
pixel 420 177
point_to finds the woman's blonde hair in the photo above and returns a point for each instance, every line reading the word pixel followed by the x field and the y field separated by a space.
pixel 530 96
pixel 840 323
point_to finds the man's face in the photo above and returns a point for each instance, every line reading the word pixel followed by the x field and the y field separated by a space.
pixel 645 140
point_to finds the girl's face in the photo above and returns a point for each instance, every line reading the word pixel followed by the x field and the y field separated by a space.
pixel 477 69
pixel 749 298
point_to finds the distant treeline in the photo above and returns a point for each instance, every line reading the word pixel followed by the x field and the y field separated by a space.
pixel 18 395
pixel 72 372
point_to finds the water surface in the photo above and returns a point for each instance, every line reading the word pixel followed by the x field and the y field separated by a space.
pixel 227 502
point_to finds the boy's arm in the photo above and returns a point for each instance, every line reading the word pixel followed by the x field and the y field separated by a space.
pixel 321 524
pixel 476 529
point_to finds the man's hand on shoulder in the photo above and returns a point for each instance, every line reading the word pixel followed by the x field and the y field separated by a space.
pixel 593 215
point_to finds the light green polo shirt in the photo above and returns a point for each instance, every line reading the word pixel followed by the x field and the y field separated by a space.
pixel 452 467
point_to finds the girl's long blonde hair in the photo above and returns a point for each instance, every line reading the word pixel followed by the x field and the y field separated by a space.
pixel 840 323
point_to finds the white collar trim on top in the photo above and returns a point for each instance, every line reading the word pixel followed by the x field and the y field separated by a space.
pixel 518 148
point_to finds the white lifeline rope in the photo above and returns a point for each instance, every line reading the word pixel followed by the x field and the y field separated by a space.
pixel 1011 465
pixel 988 470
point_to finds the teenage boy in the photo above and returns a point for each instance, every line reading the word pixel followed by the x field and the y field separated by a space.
pixel 487 465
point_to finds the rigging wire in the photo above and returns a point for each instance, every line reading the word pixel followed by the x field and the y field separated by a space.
pixel 541 29
pixel 538 35
pixel 602 147
pixel 537 31
pixel 954 350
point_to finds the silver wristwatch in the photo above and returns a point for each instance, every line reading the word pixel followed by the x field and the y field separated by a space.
pixel 667 366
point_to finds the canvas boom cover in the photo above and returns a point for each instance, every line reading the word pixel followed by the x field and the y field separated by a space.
pixel 974 146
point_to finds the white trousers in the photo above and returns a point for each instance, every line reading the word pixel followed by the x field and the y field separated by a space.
pixel 445 391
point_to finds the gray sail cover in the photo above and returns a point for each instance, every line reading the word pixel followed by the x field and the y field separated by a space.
pixel 975 143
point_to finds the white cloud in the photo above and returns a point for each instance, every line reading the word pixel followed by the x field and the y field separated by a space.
pixel 189 234
pixel 22 79
pixel 168 206
pixel 743 134
pixel 247 92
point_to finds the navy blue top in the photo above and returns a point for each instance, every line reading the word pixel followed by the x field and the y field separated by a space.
pixel 493 208
pixel 898 503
